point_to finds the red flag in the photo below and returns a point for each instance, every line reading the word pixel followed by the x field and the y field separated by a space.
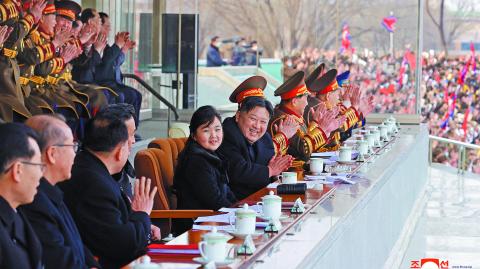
pixel 411 59
pixel 389 23
pixel 346 37
pixel 465 123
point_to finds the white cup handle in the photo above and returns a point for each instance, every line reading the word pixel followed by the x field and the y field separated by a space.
pixel 260 203
pixel 201 245
pixel 230 251
pixel 280 177
pixel 231 220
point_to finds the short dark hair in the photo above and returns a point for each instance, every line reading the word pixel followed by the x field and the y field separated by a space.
pixel 107 129
pixel 203 115
pixel 87 14
pixel 252 102
pixel 103 16
pixel 14 143
pixel 123 111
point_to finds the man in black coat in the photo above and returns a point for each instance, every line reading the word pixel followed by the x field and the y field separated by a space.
pixel 20 172
pixel 48 214
pixel 254 156
pixel 116 230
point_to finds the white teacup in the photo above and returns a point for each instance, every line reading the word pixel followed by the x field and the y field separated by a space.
pixel 345 154
pixel 383 131
pixel 245 219
pixel 316 165
pixel 288 177
pixel 376 136
pixel 214 246
pixel 370 139
pixel 271 206
pixel 362 146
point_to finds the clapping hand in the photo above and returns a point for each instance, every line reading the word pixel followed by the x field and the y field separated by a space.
pixel 327 120
pixel 278 164
pixel 69 52
pixel 100 43
pixel 61 38
pixel 287 126
pixel 36 9
pixel 87 34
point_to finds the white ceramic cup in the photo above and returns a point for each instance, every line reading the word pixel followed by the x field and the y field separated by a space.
pixel 316 165
pixel 362 146
pixel 371 140
pixel 376 136
pixel 216 251
pixel 245 220
pixel 288 177
pixel 345 154
pixel 271 206
pixel 384 131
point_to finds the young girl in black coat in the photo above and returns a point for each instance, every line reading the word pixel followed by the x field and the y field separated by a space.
pixel 201 179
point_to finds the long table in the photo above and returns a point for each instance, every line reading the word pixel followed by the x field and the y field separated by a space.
pixel 344 226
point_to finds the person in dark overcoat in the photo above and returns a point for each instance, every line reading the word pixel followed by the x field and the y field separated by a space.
pixel 116 229
pixel 201 180
pixel 20 172
pixel 254 156
pixel 48 214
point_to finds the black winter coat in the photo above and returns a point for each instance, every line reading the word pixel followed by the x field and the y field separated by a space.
pixel 247 175
pixel 201 182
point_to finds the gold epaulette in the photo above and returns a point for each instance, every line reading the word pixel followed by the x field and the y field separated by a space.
pixel 24 81
pixel 37 80
pixel 10 53
pixel 67 76
pixel 52 80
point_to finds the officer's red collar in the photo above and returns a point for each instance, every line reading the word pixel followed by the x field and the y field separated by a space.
pixel 290 112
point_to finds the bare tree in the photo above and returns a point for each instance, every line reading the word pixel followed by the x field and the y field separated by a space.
pixel 456 20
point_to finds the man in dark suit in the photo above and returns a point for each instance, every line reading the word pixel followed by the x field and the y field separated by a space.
pixel 213 53
pixel 254 156
pixel 116 230
pixel 109 74
pixel 48 214
pixel 20 172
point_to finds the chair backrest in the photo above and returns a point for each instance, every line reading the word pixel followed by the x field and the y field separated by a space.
pixel 156 164
pixel 170 145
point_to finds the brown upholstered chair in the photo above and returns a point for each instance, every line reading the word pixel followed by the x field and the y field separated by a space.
pixel 172 146
pixel 156 164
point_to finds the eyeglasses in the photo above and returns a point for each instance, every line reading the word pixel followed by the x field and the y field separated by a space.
pixel 75 146
pixel 41 165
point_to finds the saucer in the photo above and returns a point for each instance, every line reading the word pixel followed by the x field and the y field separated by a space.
pixel 346 162
pixel 318 174
pixel 225 262
pixel 242 236
pixel 282 217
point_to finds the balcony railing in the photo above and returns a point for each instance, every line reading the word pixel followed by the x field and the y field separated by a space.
pixel 462 151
